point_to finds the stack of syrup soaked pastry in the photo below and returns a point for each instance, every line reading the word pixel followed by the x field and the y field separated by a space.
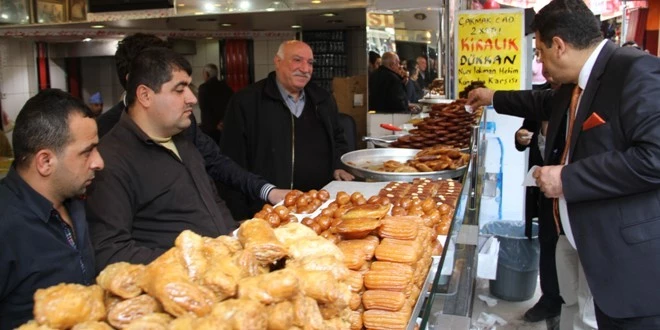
pixel 447 124
pixel 387 244
pixel 431 159
pixel 265 278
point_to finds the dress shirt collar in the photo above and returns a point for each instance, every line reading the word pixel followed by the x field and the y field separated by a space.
pixel 34 201
pixel 296 107
pixel 589 65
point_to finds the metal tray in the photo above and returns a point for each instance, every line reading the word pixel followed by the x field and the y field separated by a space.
pixel 356 161
pixel 436 101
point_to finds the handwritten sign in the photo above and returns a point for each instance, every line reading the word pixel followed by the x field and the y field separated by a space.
pixel 489 48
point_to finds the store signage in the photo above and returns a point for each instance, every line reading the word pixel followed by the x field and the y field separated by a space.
pixel 490 48
pixel 377 20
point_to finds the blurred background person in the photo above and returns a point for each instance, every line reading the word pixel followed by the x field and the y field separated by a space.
pixel 95 103
pixel 214 95
pixel 374 61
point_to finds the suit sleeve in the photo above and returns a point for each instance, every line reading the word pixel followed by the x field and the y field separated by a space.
pixel 636 168
pixel 111 206
pixel 529 104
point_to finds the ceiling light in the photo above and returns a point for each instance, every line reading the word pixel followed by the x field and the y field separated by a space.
pixel 276 3
pixel 226 24
pixel 329 14
pixel 296 26
pixel 420 16
pixel 209 38
pixel 316 1
pixel 209 7
pixel 199 13
pixel 181 5
pixel 87 40
pixel 270 9
pixel 4 16
pixel 244 5
pixel 97 26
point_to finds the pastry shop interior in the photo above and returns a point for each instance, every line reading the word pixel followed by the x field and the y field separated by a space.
pixel 396 248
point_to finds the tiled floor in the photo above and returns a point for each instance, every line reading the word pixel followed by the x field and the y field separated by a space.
pixel 511 312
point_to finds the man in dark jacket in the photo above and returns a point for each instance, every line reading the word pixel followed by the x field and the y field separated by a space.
pixel 218 166
pixel 387 90
pixel 213 97
pixel 285 129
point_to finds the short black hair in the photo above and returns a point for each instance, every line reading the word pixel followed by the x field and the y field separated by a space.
pixel 373 56
pixel 43 123
pixel 130 47
pixel 571 20
pixel 630 43
pixel 153 67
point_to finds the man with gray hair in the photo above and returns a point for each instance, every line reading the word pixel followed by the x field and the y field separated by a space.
pixel 285 129
pixel 214 95
pixel 387 90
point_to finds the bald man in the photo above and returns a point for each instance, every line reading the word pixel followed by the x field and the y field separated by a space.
pixel 285 129
pixel 387 90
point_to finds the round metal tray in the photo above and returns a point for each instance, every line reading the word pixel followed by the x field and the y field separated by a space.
pixel 436 101
pixel 358 161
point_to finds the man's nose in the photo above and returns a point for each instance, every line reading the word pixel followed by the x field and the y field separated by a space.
pixel 97 162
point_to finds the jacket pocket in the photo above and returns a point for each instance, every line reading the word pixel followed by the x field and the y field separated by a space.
pixel 642 232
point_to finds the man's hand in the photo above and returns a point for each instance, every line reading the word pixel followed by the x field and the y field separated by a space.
pixel 480 96
pixel 548 179
pixel 524 137
pixel 342 175
pixel 277 195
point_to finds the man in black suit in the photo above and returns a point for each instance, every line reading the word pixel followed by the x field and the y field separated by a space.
pixel 387 88
pixel 608 184
pixel 214 95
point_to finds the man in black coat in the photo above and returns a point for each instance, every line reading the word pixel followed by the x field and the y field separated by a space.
pixel 213 96
pixel 387 90
pixel 285 129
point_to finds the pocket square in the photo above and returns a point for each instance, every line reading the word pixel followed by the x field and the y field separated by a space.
pixel 593 121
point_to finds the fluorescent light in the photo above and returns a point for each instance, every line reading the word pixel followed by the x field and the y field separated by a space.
pixel 316 1
pixel 270 9
pixel 87 40
pixel 181 5
pixel 329 14
pixel 296 26
pixel 209 6
pixel 4 16
pixel 97 26
pixel 245 5
pixel 226 24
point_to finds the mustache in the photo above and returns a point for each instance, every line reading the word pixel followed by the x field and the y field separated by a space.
pixel 302 74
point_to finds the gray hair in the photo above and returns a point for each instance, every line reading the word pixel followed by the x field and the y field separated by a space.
pixel 211 70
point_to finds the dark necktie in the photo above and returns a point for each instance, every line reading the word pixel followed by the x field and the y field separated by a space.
pixel 571 120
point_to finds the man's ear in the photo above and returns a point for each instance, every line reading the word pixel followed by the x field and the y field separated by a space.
pixel 560 45
pixel 45 162
pixel 144 95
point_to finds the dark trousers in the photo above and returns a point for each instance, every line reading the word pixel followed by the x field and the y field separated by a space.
pixel 547 265
pixel 634 323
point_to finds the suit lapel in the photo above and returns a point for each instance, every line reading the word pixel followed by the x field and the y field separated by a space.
pixel 560 104
pixel 585 109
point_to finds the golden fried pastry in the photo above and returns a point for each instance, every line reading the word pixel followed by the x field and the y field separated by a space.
pixel 292 232
pixel 326 263
pixel 155 321
pixel 167 280
pixel 129 310
pixel 355 280
pixel 269 288
pixel 110 300
pixel 380 319
pixel 222 277
pixel 337 323
pixel 319 285
pixel 280 316
pixel 241 314
pixel 65 305
pixel 385 300
pixel 388 276
pixel 122 279
pixel 306 313
pixel 373 211
pixel 258 236
pixel 364 247
pixel 357 228
pixel 393 228
pixel 356 320
pixel 209 322
pixel 395 250
pixel 33 325
pixel 92 325
pixel 314 247
pixel 232 243
pixel 191 247
pixel 353 257
pixel 355 302
pixel 247 262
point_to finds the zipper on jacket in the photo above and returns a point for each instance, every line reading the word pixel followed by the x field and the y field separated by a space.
pixel 293 146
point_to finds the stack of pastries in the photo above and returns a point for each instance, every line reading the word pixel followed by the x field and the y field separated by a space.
pixel 284 278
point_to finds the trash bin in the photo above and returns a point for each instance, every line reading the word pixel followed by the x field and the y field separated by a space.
pixel 518 260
